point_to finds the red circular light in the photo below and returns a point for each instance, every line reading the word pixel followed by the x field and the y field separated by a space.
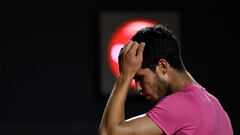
pixel 120 37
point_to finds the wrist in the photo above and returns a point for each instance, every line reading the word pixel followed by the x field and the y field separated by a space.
pixel 125 78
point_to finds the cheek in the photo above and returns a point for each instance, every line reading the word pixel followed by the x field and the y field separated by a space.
pixel 148 84
pixel 157 86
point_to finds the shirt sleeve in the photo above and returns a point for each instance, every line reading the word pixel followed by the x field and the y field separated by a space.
pixel 171 114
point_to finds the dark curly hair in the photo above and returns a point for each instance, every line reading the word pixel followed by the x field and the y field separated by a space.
pixel 160 44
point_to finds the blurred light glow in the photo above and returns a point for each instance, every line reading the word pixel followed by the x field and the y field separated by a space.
pixel 115 51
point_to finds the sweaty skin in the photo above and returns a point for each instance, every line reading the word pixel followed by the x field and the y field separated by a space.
pixel 113 120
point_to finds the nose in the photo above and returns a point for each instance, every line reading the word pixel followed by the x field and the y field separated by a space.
pixel 138 87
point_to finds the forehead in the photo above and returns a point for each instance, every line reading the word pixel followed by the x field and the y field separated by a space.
pixel 143 71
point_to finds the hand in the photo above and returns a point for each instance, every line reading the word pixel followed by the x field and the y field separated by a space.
pixel 130 59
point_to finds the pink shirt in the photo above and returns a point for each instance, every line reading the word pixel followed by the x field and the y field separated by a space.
pixel 191 111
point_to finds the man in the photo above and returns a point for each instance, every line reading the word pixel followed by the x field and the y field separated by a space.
pixel 182 105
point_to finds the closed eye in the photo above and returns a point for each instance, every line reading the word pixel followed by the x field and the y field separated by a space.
pixel 137 77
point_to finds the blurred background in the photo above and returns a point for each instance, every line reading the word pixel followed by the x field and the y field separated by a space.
pixel 51 67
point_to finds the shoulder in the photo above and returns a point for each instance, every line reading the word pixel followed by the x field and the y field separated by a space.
pixel 176 106
pixel 177 99
pixel 174 112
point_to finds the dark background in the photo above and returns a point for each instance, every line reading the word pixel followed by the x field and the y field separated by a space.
pixel 50 66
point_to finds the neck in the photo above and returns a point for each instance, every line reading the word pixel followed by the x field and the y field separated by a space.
pixel 179 80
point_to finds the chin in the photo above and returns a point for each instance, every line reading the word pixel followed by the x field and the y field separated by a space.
pixel 155 99
pixel 152 99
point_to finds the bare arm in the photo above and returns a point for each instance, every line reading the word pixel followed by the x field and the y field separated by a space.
pixel 113 120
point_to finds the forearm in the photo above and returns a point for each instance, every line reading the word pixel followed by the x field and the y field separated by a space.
pixel 114 112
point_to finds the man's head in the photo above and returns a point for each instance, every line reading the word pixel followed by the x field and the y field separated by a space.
pixel 160 44
pixel 161 55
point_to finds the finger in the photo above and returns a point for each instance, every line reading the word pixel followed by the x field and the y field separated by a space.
pixel 120 55
pixel 140 50
pixel 120 62
pixel 133 48
pixel 127 46
pixel 120 52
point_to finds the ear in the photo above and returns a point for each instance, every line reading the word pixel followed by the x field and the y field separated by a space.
pixel 162 66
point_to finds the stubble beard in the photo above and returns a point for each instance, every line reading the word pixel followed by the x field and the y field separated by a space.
pixel 163 89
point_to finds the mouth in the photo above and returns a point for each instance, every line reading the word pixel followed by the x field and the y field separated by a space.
pixel 141 92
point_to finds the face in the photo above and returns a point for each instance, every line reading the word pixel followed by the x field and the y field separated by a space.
pixel 150 85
